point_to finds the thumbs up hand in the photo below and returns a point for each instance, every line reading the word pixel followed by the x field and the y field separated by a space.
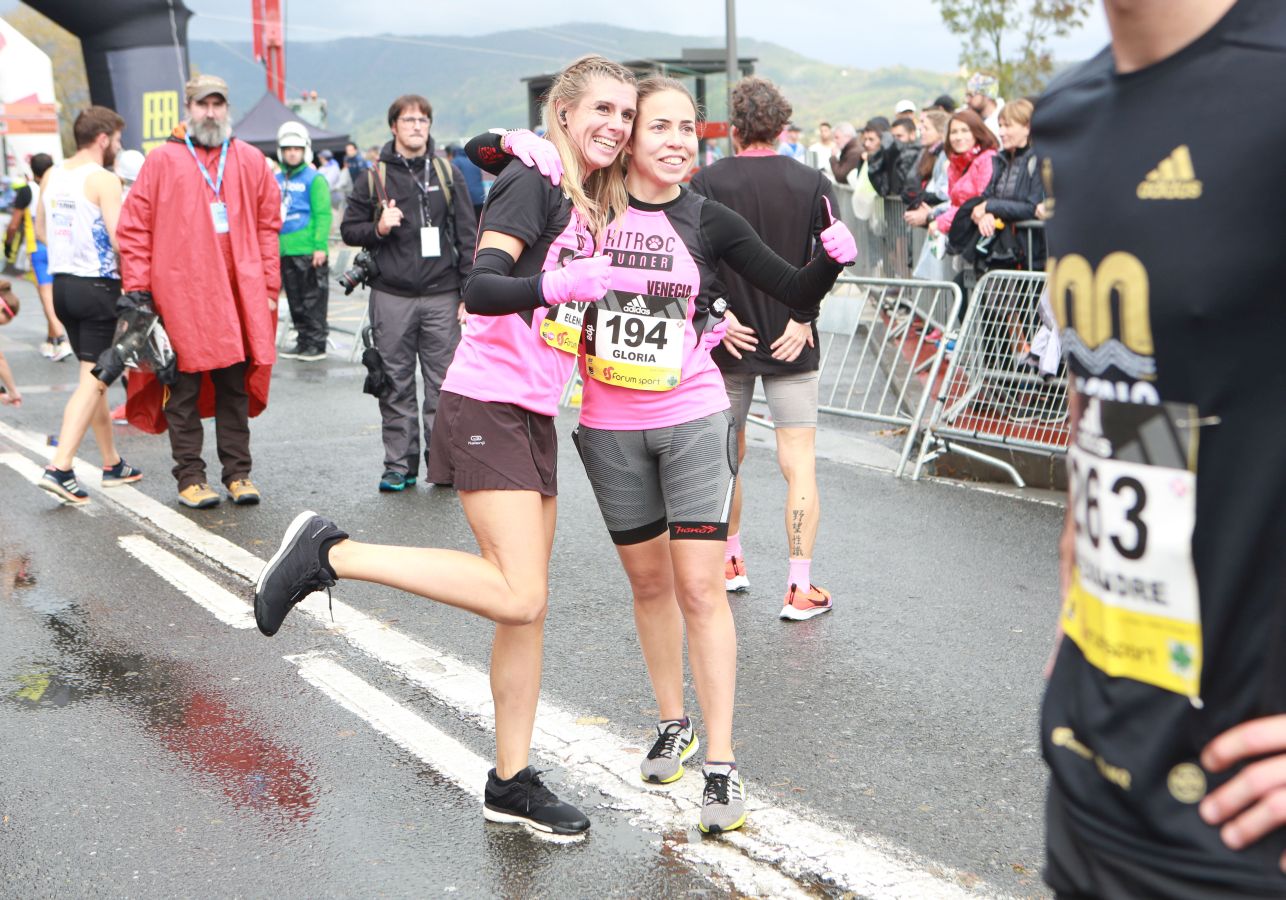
pixel 389 219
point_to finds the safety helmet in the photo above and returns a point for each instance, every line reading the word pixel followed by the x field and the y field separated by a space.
pixel 293 134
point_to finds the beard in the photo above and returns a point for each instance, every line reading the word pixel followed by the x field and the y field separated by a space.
pixel 209 133
pixel 109 157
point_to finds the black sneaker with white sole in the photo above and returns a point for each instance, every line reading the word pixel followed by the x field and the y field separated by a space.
pixel 525 799
pixel 295 570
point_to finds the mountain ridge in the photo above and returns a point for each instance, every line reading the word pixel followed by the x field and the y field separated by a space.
pixel 475 82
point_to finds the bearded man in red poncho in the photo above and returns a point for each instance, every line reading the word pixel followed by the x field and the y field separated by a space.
pixel 199 232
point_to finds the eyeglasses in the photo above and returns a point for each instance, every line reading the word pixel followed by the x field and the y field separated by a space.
pixel 414 120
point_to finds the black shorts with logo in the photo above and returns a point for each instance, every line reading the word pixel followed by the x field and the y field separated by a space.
pixel 482 446
pixel 87 309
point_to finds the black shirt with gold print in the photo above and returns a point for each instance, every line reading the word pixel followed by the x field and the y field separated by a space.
pixel 1168 278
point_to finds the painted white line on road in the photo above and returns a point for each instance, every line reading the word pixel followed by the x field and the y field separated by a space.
pixel 223 552
pixel 32 473
pixel 805 848
pixel 393 720
pixel 468 771
pixel 222 604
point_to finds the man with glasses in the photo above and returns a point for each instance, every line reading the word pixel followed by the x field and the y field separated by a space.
pixel 412 212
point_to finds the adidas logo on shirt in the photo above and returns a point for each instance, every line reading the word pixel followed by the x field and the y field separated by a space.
pixel 637 306
pixel 1173 179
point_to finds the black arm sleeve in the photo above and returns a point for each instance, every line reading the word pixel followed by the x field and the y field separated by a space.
pixel 735 242
pixel 486 153
pixel 491 291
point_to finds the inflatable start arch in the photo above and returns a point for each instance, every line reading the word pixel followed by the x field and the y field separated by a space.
pixel 136 57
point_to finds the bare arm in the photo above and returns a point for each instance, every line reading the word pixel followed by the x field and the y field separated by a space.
pixel 11 395
pixel 104 189
pixel 39 224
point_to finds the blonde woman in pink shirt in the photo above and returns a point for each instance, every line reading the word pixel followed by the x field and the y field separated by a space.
pixel 494 437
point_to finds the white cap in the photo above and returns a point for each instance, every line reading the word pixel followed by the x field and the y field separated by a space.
pixel 905 106
pixel 128 163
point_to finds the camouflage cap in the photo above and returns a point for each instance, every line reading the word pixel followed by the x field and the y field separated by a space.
pixel 982 83
pixel 203 86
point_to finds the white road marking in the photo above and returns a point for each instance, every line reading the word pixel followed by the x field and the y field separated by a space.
pixel 225 606
pixel 469 771
pixel 776 840
pixel 390 718
pixel 32 473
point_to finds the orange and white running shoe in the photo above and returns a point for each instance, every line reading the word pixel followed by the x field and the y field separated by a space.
pixel 801 605
pixel 734 575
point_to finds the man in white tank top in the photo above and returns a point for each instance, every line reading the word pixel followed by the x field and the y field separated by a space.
pixel 80 203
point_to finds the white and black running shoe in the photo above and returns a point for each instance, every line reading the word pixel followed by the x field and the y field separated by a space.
pixel 295 570
pixel 723 802
pixel 675 742
pixel 524 799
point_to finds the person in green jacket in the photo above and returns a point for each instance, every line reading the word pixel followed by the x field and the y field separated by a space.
pixel 305 235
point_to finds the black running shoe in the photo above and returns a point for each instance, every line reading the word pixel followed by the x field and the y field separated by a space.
pixel 526 800
pixel 295 570
pixel 63 485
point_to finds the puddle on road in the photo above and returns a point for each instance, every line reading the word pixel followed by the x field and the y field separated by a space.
pixel 190 718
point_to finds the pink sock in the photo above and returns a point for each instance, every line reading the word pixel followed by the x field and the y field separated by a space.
pixel 733 548
pixel 799 573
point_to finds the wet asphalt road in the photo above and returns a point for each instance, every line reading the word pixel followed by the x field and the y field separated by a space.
pixel 151 750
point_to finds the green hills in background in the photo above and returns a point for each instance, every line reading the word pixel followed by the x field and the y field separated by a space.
pixel 474 83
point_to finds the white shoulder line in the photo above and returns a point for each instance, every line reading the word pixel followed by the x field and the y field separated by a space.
pixel 226 607
pixel 805 848
pixel 469 771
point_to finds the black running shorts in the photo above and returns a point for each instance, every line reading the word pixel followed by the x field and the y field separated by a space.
pixel 481 446
pixel 87 309
pixel 679 478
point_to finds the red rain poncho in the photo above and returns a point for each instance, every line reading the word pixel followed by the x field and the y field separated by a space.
pixel 211 290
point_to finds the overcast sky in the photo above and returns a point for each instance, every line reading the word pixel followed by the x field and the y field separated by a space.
pixel 865 34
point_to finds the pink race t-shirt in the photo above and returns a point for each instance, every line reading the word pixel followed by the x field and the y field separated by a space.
pixel 505 359
pixel 641 357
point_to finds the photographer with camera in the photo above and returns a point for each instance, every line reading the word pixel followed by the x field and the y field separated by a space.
pixel 413 218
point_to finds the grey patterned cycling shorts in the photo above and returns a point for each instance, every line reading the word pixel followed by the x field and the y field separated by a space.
pixel 678 478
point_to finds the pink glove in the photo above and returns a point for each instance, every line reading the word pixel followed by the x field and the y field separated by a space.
pixel 586 279
pixel 838 240
pixel 535 153
pixel 714 337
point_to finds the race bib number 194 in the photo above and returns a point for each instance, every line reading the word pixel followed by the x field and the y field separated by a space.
pixel 1133 606
pixel 636 341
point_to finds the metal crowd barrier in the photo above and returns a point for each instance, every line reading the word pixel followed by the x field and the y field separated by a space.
pixel 881 350
pixel 993 393
pixel 887 247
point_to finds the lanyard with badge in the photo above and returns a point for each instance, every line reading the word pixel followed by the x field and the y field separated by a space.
pixel 430 241
pixel 218 209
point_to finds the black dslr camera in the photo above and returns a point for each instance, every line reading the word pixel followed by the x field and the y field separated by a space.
pixel 363 271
